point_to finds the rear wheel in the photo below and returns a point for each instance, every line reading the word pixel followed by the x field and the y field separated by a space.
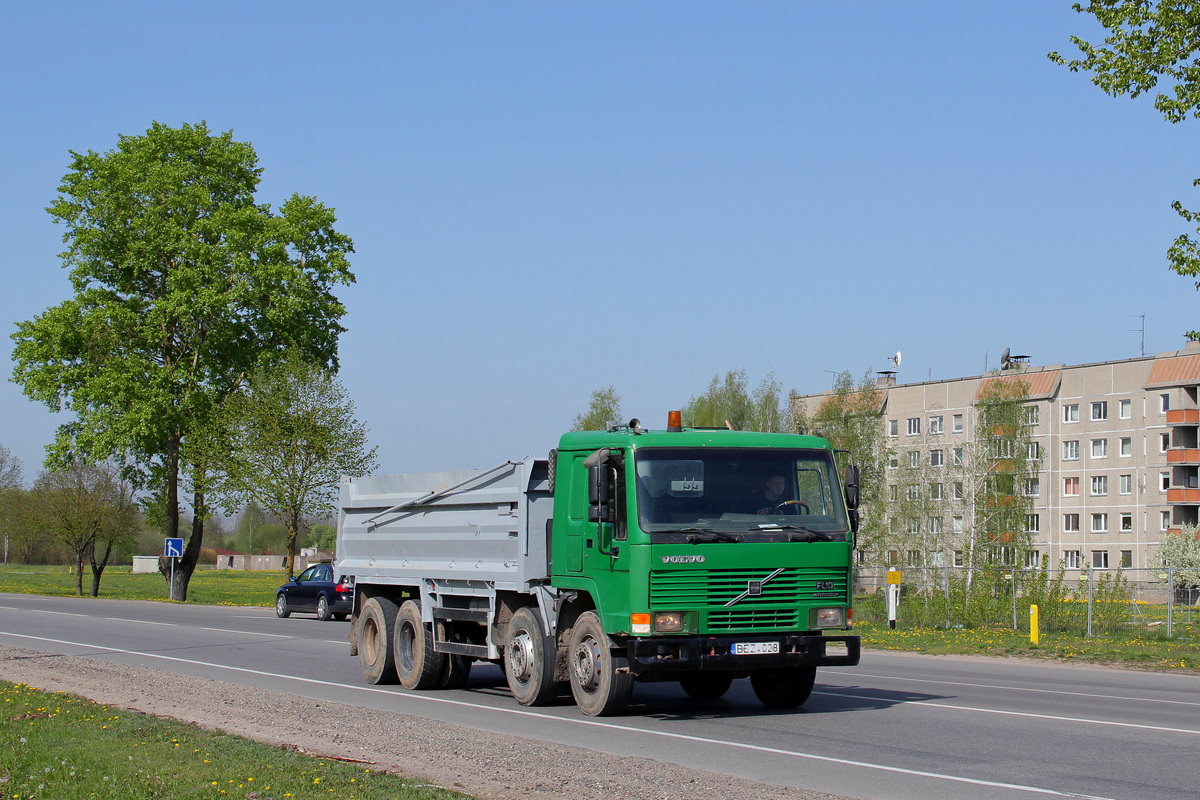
pixel 529 656
pixel 323 612
pixel 706 685
pixel 783 688
pixel 416 663
pixel 600 677
pixel 281 606
pixel 376 631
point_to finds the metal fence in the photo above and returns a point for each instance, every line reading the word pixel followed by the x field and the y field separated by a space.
pixel 1083 602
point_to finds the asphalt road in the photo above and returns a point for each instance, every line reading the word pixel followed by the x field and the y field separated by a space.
pixel 897 727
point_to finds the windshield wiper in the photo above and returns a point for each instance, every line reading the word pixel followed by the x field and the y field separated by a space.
pixel 699 535
pixel 802 534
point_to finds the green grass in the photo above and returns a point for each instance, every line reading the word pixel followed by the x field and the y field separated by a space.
pixel 1142 649
pixel 58 745
pixel 207 586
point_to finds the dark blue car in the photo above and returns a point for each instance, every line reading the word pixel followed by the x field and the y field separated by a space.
pixel 314 590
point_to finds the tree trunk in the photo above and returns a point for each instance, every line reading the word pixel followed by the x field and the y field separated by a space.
pixel 293 534
pixel 79 573
pixel 98 567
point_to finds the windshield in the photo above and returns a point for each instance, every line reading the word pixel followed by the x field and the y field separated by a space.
pixel 756 492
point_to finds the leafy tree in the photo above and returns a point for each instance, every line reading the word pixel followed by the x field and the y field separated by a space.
pixel 285 443
pixel 1149 41
pixel 323 536
pixel 1180 551
pixel 90 510
pixel 604 407
pixel 182 285
pixel 849 418
pixel 11 478
pixel 729 402
pixel 250 527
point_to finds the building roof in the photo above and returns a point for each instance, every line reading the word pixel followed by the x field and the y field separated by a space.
pixel 1175 371
pixel 1042 385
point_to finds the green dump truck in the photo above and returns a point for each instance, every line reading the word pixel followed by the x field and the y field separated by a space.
pixel 692 555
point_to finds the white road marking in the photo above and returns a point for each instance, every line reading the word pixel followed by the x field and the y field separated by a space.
pixel 250 633
pixel 585 722
pixel 143 622
pixel 1016 688
pixel 41 611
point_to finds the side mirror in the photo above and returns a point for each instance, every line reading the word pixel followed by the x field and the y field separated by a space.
pixel 599 479
pixel 851 486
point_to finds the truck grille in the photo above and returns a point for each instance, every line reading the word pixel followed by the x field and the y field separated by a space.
pixel 783 604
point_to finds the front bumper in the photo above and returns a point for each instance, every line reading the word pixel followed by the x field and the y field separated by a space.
pixel 667 654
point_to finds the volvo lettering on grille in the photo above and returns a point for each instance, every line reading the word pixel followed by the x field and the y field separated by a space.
pixel 683 559
pixel 754 588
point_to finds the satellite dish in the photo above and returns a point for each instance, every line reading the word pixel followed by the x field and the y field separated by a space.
pixel 896 358
pixel 1005 360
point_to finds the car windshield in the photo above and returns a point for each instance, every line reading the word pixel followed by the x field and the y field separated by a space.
pixel 704 494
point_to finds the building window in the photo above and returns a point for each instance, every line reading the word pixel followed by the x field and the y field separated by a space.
pixel 1164 481
pixel 1033 415
pixel 956 525
pixel 1099 448
pixel 1071 559
pixel 1164 442
pixel 914 426
pixel 1034 451
pixel 957 422
pixel 958 490
pixel 1033 523
pixel 1099 485
pixel 1033 487
pixel 1164 403
pixel 1099 559
pixel 1071 412
pixel 1100 411
pixel 893 461
pixel 1033 559
pixel 935 426
pixel 914 558
pixel 1126 446
pixel 894 492
pixel 1070 487
pixel 893 427
pixel 1164 520
pixel 1126 409
pixel 936 492
pixel 1071 451
pixel 1126 484
pixel 958 558
pixel 914 492
pixel 914 458
pixel 935 526
pixel 936 458
pixel 1071 522
pixel 1099 523
pixel 1126 559
pixel 958 456
pixel 1126 522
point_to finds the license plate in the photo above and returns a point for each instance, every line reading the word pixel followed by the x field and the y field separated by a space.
pixel 755 648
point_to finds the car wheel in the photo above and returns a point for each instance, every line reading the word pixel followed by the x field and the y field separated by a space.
pixel 281 606
pixel 323 612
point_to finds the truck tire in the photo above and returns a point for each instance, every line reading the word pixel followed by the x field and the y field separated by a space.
pixel 600 677
pixel 529 656
pixel 376 630
pixel 786 687
pixel 416 663
pixel 705 685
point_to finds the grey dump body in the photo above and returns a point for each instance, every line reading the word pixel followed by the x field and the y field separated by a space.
pixel 455 537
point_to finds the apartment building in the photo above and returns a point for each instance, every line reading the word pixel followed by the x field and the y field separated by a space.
pixel 1118 446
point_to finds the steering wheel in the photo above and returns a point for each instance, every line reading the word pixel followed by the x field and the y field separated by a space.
pixel 782 507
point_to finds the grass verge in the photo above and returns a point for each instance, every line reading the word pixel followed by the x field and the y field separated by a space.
pixel 207 587
pixel 56 745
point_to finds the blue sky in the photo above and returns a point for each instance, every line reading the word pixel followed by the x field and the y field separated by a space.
pixel 546 198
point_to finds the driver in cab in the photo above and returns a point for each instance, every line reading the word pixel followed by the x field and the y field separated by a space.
pixel 773 494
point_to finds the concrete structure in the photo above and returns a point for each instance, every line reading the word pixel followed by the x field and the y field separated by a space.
pixel 1118 443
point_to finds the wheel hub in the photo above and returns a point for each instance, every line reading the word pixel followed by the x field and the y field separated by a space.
pixel 520 656
pixel 586 663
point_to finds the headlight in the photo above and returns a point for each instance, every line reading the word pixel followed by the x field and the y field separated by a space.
pixel 830 617
pixel 668 621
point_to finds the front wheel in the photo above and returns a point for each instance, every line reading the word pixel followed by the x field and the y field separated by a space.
pixel 600 677
pixel 281 606
pixel 529 656
pixel 418 666
pixel 785 687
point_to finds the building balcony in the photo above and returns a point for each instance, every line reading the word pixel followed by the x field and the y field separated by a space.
pixel 1183 416
pixel 1183 455
pixel 1183 496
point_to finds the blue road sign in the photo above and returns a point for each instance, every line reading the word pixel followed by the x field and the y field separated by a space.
pixel 173 548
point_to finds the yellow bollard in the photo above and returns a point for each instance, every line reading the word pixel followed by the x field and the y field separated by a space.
pixel 1033 624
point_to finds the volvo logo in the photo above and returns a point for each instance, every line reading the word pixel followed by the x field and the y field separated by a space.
pixel 754 588
pixel 683 559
